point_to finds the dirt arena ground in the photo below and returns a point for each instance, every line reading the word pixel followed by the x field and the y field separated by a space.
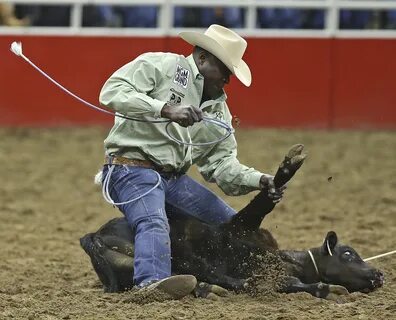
pixel 48 201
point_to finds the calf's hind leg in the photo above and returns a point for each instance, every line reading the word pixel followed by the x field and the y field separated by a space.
pixel 111 253
pixel 103 266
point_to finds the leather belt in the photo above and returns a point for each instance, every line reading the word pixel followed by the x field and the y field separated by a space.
pixel 118 160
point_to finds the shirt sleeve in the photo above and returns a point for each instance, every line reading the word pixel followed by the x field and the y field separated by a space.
pixel 128 90
pixel 221 166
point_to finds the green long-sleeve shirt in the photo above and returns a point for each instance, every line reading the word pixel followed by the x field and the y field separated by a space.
pixel 140 89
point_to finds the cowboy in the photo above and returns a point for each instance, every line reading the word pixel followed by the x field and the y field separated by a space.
pixel 145 170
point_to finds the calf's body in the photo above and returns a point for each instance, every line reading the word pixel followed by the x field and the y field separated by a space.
pixel 227 255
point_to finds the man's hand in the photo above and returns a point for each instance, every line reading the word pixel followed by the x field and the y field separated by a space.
pixel 183 115
pixel 267 183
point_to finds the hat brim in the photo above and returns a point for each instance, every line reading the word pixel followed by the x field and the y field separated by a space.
pixel 240 69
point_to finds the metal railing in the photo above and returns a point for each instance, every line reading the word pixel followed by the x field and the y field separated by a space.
pixel 165 23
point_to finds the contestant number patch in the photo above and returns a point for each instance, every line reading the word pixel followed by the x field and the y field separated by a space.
pixel 181 76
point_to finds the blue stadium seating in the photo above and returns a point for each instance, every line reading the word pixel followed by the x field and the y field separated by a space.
pixel 391 19
pixel 355 19
pixel 279 18
pixel 231 18
pixel 140 17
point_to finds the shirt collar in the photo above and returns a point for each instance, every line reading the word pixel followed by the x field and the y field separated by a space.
pixel 193 66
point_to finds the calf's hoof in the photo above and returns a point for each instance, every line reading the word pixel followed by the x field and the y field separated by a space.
pixel 290 164
pixel 295 150
pixel 294 158
pixel 209 291
pixel 329 291
pixel 335 291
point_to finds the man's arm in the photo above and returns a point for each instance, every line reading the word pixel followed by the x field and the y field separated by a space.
pixel 127 90
pixel 220 165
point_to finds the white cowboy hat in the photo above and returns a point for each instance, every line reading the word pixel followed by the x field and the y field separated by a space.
pixel 224 44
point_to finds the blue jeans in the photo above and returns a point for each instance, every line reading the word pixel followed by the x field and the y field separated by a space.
pixel 147 216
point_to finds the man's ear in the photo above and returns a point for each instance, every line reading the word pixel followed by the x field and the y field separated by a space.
pixel 329 243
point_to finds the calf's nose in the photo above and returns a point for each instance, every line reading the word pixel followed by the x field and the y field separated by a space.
pixel 378 279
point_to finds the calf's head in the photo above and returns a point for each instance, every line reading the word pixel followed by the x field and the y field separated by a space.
pixel 342 265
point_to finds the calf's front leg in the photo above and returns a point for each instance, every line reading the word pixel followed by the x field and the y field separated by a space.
pixel 317 289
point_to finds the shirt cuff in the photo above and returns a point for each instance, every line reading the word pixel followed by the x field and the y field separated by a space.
pixel 157 107
pixel 254 179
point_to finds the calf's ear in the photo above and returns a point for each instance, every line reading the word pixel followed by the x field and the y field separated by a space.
pixel 329 243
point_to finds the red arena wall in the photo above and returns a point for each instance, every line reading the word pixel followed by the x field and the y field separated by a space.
pixel 297 83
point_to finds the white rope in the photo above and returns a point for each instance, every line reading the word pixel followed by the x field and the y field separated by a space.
pixel 106 193
pixel 314 262
pixel 365 260
pixel 380 255
pixel 328 247
pixel 16 48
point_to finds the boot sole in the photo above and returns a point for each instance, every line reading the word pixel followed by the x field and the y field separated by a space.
pixel 177 286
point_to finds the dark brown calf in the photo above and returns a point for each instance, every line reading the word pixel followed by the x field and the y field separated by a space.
pixel 227 255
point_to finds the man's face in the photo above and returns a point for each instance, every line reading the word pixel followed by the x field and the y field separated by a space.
pixel 216 75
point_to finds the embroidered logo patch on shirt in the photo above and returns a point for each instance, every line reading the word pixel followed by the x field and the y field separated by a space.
pixel 174 100
pixel 181 76
pixel 219 115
